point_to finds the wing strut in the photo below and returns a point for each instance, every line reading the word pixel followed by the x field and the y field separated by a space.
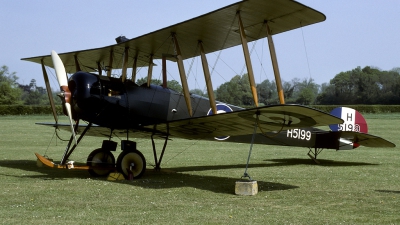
pixel 150 72
pixel 164 71
pixel 275 65
pixel 248 61
pixel 134 67
pixel 109 69
pixel 48 88
pixel 164 68
pixel 69 151
pixel 100 71
pixel 182 74
pixel 125 64
pixel 207 77
pixel 77 67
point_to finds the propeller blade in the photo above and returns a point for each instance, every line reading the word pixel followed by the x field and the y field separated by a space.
pixel 68 107
pixel 60 69
pixel 63 82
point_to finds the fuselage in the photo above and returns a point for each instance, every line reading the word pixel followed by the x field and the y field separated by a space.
pixel 109 102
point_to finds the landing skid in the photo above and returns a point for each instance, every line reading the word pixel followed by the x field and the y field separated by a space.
pixel 69 165
pixel 314 153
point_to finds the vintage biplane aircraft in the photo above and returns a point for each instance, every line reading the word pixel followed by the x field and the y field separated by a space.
pixel 110 105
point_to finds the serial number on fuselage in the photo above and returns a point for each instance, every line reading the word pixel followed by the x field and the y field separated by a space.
pixel 299 134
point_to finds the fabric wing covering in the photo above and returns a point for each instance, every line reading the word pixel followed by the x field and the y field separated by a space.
pixel 217 30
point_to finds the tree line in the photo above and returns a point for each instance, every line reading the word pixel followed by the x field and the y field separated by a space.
pixel 366 85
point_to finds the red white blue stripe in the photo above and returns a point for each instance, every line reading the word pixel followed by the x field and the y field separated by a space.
pixel 353 120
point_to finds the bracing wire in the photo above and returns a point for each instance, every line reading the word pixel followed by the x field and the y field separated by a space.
pixel 48 146
pixel 182 151
pixel 305 49
pixel 191 63
pixel 252 49
pixel 223 44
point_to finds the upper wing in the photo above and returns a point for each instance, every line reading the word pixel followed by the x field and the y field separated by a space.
pixel 217 30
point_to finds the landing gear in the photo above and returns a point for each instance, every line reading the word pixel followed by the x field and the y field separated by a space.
pixel 313 154
pixel 131 163
pixel 101 162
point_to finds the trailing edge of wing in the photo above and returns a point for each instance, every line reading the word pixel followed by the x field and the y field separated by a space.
pixel 217 30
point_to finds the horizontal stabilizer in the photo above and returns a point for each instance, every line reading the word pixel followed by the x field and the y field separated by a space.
pixel 366 140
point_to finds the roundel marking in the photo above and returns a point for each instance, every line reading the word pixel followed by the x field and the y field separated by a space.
pixel 221 108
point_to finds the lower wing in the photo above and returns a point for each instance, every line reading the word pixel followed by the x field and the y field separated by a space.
pixel 265 119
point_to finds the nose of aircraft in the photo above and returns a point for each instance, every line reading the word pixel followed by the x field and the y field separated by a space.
pixel 82 85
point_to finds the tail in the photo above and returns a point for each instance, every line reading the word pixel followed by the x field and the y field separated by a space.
pixel 353 121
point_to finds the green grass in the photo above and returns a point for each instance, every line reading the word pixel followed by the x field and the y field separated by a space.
pixel 197 185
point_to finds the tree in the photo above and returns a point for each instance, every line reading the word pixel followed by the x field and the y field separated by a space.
pixel 267 93
pixel 368 85
pixel 289 91
pixel 174 85
pixel 33 98
pixel 228 92
pixel 171 84
pixel 8 94
pixel 9 90
pixel 6 76
pixel 143 80
pixel 198 92
pixel 236 91
pixel 307 91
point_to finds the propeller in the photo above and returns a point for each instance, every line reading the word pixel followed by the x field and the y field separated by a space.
pixel 65 92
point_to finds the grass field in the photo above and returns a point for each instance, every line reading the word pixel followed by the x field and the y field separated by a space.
pixel 197 185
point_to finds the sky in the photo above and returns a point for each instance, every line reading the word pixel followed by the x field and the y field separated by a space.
pixel 355 33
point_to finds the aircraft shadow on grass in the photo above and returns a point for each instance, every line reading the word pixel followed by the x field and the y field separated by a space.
pixel 178 178
pixel 323 162
pixel 388 191
pixel 153 180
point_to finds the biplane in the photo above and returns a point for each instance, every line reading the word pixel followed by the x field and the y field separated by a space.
pixel 98 103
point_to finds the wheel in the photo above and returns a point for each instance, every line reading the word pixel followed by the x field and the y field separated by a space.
pixel 134 159
pixel 101 158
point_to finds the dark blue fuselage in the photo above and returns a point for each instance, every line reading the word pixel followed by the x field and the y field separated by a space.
pixel 109 102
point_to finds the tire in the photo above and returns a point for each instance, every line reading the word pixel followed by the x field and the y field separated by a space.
pixel 100 158
pixel 126 158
